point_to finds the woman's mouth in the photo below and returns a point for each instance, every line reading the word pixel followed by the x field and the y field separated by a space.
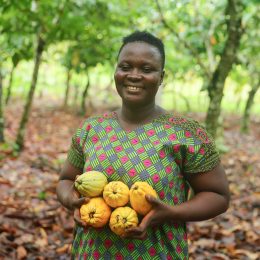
pixel 133 88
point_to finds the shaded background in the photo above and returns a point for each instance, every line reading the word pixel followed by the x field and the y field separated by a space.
pixel 57 60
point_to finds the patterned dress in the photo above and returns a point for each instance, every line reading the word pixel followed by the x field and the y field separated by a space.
pixel 158 152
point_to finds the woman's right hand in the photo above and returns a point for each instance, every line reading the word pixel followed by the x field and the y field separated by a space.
pixel 74 203
pixel 76 215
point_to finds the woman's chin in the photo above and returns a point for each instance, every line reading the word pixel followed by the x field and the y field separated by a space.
pixel 135 100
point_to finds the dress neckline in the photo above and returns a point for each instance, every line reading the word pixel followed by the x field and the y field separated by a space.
pixel 114 115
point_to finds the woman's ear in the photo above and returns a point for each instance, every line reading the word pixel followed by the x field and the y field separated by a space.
pixel 162 77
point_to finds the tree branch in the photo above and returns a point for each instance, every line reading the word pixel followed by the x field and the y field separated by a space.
pixel 183 42
pixel 228 57
pixel 208 45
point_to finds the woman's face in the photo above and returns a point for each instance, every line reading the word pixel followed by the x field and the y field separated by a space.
pixel 139 73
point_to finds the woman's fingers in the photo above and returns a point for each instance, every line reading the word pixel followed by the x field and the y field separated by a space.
pixel 78 202
pixel 137 233
pixel 77 218
pixel 153 200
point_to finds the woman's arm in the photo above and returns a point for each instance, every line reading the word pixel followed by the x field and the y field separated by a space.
pixel 211 196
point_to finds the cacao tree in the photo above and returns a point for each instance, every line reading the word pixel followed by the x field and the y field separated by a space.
pixel 95 46
pixel 214 52
pixel 22 127
pixel 42 20
pixel 234 12
pixel 2 139
pixel 21 49
pixel 249 59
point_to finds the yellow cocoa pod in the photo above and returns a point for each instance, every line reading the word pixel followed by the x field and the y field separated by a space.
pixel 95 213
pixel 116 194
pixel 91 183
pixel 137 197
pixel 122 218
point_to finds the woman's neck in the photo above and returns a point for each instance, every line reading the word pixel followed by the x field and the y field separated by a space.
pixel 139 115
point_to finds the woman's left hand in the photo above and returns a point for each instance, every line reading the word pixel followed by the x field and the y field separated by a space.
pixel 159 214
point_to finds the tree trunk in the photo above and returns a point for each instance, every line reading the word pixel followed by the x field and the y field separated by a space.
pixel 186 101
pixel 249 103
pixel 2 139
pixel 9 88
pixel 84 95
pixel 76 93
pixel 216 85
pixel 65 104
pixel 25 116
pixel 238 104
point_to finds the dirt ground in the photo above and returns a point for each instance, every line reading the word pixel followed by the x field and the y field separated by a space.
pixel 33 225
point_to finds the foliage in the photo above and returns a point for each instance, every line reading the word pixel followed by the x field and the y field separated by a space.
pixel 84 36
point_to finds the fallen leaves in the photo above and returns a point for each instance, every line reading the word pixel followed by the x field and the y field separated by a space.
pixel 33 225
pixel 21 252
pixel 235 234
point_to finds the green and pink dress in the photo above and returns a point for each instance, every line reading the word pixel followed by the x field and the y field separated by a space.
pixel 160 152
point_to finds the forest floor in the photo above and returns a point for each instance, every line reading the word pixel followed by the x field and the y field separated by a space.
pixel 33 225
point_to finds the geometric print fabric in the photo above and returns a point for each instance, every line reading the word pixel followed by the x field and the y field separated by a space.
pixel 161 153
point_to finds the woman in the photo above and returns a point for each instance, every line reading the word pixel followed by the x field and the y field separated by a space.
pixel 142 142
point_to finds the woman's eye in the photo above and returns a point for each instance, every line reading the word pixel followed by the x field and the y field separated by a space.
pixel 125 67
pixel 147 69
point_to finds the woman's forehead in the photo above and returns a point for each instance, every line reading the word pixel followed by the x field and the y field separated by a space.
pixel 140 49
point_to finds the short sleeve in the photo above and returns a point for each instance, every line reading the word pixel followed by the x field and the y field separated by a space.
pixel 75 154
pixel 201 154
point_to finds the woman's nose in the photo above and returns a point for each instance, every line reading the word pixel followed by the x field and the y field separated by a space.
pixel 134 74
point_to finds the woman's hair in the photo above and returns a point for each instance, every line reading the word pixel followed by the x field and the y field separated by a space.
pixel 143 36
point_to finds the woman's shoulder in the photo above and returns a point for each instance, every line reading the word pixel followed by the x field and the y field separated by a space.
pixel 179 120
pixel 189 126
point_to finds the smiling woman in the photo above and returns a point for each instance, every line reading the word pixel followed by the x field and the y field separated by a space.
pixel 139 74
pixel 143 142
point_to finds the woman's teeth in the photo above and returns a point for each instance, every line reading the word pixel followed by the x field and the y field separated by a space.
pixel 132 88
